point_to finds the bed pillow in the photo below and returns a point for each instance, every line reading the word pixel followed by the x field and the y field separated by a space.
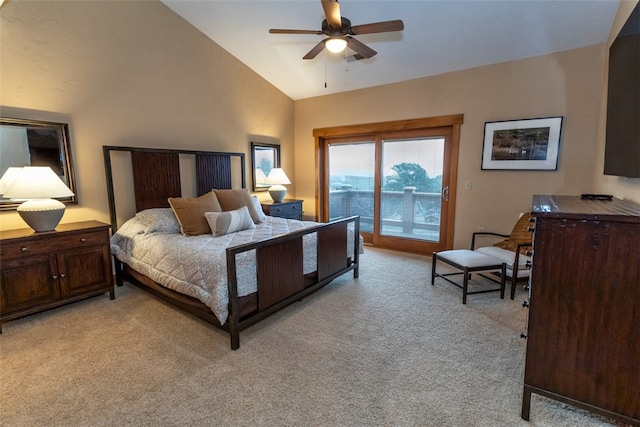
pixel 159 220
pixel 234 199
pixel 258 207
pixel 190 213
pixel 222 223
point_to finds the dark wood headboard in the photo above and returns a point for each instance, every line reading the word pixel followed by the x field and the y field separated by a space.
pixel 156 175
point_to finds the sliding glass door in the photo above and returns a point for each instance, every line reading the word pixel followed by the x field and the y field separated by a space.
pixel 397 182
pixel 410 200
pixel 351 180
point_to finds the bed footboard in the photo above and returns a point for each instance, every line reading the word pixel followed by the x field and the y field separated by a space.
pixel 279 269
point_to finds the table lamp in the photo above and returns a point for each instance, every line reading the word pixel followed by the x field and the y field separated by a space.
pixel 37 185
pixel 277 179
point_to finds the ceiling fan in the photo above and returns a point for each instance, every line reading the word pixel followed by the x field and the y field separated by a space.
pixel 339 31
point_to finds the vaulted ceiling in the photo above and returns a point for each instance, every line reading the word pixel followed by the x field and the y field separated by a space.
pixel 439 36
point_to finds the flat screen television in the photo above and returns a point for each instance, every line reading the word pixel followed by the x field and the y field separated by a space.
pixel 622 147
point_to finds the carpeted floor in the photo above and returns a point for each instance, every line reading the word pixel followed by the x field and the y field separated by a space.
pixel 387 349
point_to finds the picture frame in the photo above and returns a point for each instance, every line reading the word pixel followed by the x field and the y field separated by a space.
pixel 264 157
pixel 526 144
pixel 26 142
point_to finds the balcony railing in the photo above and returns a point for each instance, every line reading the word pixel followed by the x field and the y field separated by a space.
pixel 405 213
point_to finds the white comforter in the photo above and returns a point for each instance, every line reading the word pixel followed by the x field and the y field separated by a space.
pixel 196 265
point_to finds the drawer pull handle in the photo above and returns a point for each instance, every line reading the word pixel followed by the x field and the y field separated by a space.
pixel 61 275
pixel 25 249
pixel 54 277
pixel 82 239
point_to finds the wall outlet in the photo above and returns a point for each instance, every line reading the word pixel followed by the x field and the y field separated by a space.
pixel 468 185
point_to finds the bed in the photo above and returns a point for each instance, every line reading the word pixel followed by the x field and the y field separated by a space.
pixel 246 267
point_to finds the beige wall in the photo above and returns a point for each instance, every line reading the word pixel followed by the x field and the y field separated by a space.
pixel 564 84
pixel 623 188
pixel 130 73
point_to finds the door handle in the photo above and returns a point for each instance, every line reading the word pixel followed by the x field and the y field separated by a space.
pixel 445 193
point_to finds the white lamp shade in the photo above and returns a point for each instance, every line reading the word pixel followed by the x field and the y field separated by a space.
pixel 7 178
pixel 37 182
pixel 335 45
pixel 277 177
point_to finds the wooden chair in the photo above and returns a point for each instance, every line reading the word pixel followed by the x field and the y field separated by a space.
pixel 514 250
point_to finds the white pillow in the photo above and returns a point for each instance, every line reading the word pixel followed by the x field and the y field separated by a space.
pixel 159 220
pixel 222 223
pixel 258 206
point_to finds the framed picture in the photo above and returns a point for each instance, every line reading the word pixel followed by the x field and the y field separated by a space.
pixel 528 144
pixel 264 157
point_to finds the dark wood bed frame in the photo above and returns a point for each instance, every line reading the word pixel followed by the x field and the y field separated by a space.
pixel 279 260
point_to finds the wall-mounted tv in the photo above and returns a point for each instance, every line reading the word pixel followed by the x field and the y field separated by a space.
pixel 622 148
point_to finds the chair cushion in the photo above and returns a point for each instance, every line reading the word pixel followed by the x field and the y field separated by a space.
pixel 507 257
pixel 467 258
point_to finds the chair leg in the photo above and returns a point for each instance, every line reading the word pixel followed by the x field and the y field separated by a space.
pixel 433 268
pixel 503 281
pixel 465 285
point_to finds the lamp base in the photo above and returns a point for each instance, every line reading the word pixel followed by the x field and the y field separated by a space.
pixel 42 214
pixel 277 193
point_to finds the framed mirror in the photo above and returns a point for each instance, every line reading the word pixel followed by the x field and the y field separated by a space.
pixel 264 157
pixel 36 143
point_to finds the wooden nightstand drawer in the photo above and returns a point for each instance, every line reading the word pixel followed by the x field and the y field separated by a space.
pixel 289 208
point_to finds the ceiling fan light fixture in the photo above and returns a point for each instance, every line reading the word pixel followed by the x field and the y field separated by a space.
pixel 335 44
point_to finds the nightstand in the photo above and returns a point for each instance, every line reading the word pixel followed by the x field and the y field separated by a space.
pixel 288 208
pixel 52 268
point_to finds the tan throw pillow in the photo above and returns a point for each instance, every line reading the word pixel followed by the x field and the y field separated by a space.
pixel 190 213
pixel 222 223
pixel 234 199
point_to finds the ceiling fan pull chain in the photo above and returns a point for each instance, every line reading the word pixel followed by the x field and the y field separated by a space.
pixel 325 70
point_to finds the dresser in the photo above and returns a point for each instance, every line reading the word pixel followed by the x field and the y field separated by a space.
pixel 583 333
pixel 288 208
pixel 43 270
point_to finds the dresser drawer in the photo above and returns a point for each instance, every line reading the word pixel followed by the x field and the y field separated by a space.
pixel 290 209
pixel 46 245
pixel 285 211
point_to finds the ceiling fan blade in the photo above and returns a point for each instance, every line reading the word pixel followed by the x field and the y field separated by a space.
pixel 377 27
pixel 279 31
pixel 332 13
pixel 315 51
pixel 355 57
pixel 360 48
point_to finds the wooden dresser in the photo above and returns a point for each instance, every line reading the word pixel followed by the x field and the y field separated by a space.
pixel 583 335
pixel 42 270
